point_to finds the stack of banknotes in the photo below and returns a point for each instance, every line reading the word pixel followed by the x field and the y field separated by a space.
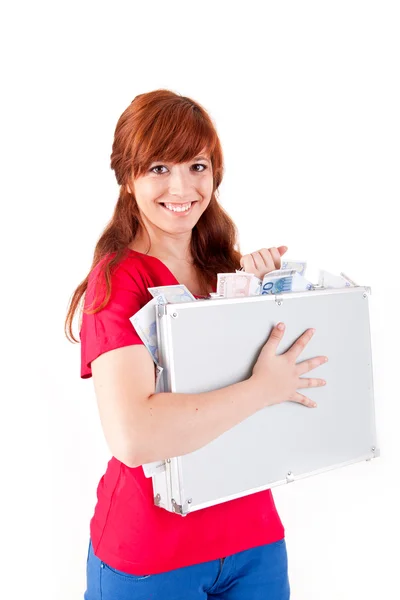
pixel 290 278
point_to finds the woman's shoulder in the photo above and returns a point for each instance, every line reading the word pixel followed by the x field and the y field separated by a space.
pixel 130 264
pixel 130 273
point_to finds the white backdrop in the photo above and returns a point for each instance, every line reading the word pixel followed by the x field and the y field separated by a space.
pixel 305 99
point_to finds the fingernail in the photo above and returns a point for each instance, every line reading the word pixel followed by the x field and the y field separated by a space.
pixel 281 326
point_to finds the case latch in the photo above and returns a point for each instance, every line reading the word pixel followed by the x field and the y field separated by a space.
pixel 289 477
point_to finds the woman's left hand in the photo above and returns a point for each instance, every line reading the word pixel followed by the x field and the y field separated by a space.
pixel 263 261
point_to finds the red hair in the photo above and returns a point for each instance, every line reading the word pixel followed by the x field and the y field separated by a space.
pixel 162 125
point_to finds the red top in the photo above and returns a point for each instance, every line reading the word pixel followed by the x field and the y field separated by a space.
pixel 127 530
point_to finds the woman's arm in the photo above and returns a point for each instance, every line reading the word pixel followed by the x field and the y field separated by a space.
pixel 141 426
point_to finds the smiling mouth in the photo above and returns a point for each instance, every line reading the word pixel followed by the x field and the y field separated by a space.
pixel 177 208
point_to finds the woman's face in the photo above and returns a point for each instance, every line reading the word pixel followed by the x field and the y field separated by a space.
pixel 172 196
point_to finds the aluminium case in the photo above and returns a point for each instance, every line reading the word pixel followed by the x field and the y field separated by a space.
pixel 209 344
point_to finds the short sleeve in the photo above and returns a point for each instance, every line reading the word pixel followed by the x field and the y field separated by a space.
pixel 110 327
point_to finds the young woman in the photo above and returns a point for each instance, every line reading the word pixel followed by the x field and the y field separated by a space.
pixel 169 228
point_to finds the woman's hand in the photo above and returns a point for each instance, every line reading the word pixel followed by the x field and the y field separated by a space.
pixel 263 261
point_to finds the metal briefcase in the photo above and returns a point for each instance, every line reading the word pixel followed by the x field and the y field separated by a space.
pixel 209 344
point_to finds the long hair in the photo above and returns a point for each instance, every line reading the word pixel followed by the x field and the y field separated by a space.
pixel 162 124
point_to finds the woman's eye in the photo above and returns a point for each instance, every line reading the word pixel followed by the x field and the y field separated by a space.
pixel 200 165
pixel 162 166
pixel 157 167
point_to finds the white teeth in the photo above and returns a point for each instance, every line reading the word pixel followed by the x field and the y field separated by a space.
pixel 180 208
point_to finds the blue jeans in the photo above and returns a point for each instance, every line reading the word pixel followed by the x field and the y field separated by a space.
pixel 255 574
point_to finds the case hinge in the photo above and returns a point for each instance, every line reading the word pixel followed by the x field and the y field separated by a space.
pixel 179 509
pixel 161 310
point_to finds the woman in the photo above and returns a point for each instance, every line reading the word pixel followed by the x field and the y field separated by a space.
pixel 169 228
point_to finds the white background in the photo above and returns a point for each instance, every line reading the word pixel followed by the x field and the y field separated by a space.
pixel 305 98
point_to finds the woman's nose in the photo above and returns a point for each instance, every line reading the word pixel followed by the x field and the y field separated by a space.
pixel 179 182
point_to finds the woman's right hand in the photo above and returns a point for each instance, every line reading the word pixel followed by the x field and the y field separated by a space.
pixel 277 377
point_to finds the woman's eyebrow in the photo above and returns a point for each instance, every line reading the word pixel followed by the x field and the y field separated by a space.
pixel 201 158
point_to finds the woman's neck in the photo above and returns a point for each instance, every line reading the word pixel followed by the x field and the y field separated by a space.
pixel 172 253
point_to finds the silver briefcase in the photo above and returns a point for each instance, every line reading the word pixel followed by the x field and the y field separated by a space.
pixel 209 344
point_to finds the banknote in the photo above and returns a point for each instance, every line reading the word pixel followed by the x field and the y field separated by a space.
pixel 255 286
pixel 161 299
pixel 301 283
pixel 150 469
pixel 144 321
pixel 173 293
pixel 159 384
pixel 352 283
pixel 299 265
pixel 329 280
pixel 234 285
pixel 284 280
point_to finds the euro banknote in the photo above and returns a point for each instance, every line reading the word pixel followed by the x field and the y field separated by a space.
pixel 173 293
pixel 329 280
pixel 284 280
pixel 144 322
pixel 347 278
pixel 298 265
pixel 234 285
